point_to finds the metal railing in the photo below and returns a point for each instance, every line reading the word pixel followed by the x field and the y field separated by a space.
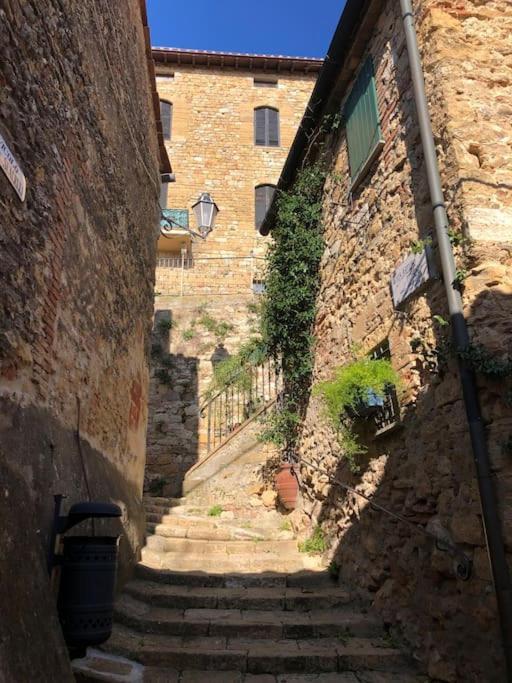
pixel 175 262
pixel 237 403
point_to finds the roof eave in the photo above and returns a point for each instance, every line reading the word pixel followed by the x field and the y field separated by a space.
pixel 325 94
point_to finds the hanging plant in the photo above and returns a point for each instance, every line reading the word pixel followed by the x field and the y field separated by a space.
pixel 358 390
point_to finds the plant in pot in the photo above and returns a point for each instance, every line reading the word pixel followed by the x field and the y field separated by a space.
pixel 279 429
pixel 358 390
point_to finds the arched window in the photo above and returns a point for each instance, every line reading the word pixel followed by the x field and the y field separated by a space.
pixel 166 118
pixel 263 195
pixel 266 127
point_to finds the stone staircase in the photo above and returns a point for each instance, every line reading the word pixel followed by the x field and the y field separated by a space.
pixel 230 598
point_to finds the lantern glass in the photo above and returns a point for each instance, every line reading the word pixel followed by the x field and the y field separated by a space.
pixel 205 211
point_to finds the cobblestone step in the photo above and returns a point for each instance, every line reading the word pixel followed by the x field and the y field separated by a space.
pixel 276 624
pixel 306 578
pixel 257 656
pixel 279 597
pixel 204 532
pixel 192 546
pixel 222 563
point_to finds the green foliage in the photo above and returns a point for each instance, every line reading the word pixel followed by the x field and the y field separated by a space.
pixel 456 238
pixel 418 246
pixel 279 427
pixel 345 635
pixel 352 382
pixel 460 275
pixel 481 360
pixel 236 370
pixel 285 525
pixel 440 320
pixel 315 544
pixel 215 511
pixel 219 328
pixel 188 334
pixel 288 310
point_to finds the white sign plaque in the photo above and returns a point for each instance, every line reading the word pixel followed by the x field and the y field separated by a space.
pixel 410 275
pixel 10 167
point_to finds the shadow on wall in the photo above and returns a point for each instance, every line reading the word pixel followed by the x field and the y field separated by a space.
pixel 424 471
pixel 173 424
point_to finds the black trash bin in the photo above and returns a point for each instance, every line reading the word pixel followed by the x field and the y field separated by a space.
pixel 87 574
pixel 86 593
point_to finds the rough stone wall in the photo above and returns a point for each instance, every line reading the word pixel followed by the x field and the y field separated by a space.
pixel 422 470
pixel 76 284
pixel 177 431
pixel 212 148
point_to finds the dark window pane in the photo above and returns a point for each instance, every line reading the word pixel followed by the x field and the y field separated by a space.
pixel 273 127
pixel 260 127
pixel 263 200
pixel 166 118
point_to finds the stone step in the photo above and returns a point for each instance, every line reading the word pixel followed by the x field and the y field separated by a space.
pixel 304 579
pixel 222 563
pixel 102 666
pixel 251 598
pixel 253 549
pixel 204 532
pixel 253 655
pixel 245 623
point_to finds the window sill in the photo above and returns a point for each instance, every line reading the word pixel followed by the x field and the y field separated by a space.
pixel 361 174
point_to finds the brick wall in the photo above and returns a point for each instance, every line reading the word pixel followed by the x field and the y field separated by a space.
pixel 422 470
pixel 76 284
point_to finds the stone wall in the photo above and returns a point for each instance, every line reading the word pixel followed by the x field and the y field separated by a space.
pixel 177 431
pixel 76 286
pixel 423 468
pixel 212 148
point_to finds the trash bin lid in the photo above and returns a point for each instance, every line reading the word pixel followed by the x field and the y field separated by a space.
pixel 94 509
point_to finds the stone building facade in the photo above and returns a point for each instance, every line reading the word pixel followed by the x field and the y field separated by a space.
pixel 208 287
pixel 420 465
pixel 77 262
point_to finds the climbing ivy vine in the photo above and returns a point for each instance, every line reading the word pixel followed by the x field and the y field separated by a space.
pixel 292 281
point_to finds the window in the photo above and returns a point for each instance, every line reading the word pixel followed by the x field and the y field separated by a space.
pixel 265 82
pixel 361 114
pixel 262 200
pixel 166 118
pixel 388 417
pixel 163 195
pixel 266 127
pixel 258 286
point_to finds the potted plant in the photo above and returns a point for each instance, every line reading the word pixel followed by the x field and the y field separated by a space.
pixel 359 388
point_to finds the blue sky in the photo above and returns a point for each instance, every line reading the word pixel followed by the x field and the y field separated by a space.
pixel 286 27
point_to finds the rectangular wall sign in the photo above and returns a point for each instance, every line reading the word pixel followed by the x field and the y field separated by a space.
pixel 11 169
pixel 411 274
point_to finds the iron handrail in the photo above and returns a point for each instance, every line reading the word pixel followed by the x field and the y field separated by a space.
pixel 464 563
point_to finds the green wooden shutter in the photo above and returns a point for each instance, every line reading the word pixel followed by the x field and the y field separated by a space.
pixel 362 120
pixel 273 127
pixel 260 128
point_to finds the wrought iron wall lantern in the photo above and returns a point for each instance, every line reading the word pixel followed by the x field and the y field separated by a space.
pixel 206 211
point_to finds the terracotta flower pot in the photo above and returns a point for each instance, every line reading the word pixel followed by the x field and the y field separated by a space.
pixel 287 486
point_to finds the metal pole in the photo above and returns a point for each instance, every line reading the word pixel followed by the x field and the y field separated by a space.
pixel 492 524
pixel 209 443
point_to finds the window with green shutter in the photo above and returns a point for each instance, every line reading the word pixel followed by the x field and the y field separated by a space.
pixel 362 122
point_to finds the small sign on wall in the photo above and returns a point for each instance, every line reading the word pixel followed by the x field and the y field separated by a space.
pixel 12 170
pixel 414 272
